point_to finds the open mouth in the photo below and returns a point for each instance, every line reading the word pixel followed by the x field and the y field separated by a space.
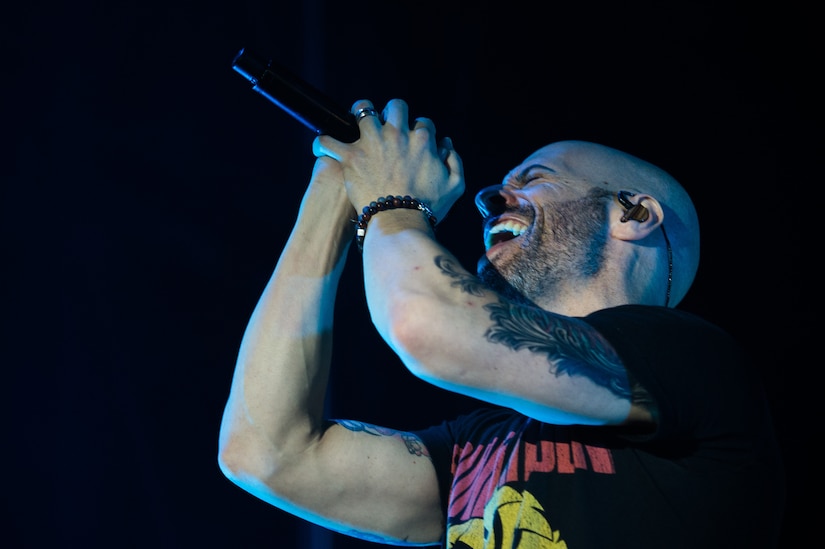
pixel 502 231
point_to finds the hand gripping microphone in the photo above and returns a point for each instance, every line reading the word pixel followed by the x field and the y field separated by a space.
pixel 298 98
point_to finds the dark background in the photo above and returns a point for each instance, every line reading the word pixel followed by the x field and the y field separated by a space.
pixel 146 192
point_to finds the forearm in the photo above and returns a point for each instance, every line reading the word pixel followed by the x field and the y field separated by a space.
pixel 275 405
pixel 454 332
pixel 415 296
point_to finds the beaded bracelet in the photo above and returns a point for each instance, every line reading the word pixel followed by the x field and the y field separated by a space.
pixel 388 203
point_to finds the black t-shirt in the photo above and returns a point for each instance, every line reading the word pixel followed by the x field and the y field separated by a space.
pixel 709 476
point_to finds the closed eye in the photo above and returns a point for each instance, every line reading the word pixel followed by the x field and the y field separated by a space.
pixel 532 173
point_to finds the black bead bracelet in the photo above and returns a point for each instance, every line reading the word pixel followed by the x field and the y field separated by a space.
pixel 388 203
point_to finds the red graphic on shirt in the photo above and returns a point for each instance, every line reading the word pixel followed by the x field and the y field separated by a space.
pixel 479 471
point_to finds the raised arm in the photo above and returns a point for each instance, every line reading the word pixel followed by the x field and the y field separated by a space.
pixel 447 327
pixel 351 477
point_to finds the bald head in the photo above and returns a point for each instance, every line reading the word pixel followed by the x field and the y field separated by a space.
pixel 607 168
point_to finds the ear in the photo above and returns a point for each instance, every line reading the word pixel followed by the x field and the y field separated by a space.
pixel 638 222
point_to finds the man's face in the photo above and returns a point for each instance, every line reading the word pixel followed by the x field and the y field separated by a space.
pixel 542 226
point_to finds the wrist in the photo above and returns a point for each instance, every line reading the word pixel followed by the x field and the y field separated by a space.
pixel 389 203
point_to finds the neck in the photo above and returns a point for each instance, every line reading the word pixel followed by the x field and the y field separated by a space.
pixel 583 299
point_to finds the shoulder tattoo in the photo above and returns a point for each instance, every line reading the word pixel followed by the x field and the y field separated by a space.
pixel 414 444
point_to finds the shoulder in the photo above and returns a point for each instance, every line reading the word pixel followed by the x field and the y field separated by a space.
pixel 662 332
pixel 675 343
pixel 648 316
pixel 699 376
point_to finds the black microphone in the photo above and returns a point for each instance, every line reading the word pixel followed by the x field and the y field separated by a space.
pixel 298 98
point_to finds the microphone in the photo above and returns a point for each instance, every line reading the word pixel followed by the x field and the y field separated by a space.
pixel 298 98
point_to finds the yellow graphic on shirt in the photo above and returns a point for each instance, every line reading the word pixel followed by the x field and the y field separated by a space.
pixel 517 518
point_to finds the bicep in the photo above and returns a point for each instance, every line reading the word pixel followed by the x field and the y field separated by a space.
pixel 370 482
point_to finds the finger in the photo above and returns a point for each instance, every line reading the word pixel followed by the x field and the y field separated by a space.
pixel 423 123
pixel 396 113
pixel 364 109
pixel 445 148
pixel 451 158
pixel 321 147
pixel 443 153
pixel 424 130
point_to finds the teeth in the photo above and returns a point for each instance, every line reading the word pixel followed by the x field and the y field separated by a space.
pixel 510 227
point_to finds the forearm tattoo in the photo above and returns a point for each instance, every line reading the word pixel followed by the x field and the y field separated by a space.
pixel 468 283
pixel 571 346
pixel 413 443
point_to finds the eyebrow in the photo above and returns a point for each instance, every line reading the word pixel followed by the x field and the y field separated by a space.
pixel 521 177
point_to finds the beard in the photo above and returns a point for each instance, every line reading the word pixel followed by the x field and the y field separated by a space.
pixel 568 243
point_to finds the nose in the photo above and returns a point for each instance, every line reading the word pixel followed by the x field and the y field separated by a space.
pixel 490 201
